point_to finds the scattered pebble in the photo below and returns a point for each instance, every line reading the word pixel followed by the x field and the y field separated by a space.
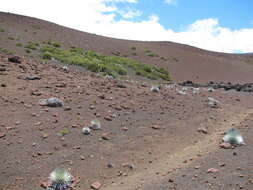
pixel 96 185
pixel 2 135
pixel 212 170
pixel 106 137
pixel 202 130
pixel 226 145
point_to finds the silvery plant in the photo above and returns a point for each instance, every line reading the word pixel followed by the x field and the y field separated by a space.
pixel 59 179
pixel 155 88
pixel 86 130
pixel 233 137
pixel 95 124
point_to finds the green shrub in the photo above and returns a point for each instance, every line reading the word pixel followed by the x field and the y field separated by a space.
pixel 63 132
pixel 32 45
pixel 133 48
pixel 6 51
pixel 46 55
pixel 147 50
pixel 19 44
pixel 2 30
pixel 151 54
pixel 55 44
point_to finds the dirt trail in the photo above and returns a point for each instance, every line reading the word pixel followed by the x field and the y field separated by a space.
pixel 177 159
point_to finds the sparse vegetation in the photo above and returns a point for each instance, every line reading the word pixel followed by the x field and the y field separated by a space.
pixel 32 45
pixel 55 44
pixel 2 30
pixel 28 51
pixel 150 53
pixel 133 48
pixel 175 59
pixel 19 44
pixel 116 53
pixel 11 38
pixel 64 132
pixel 164 58
pixel 37 27
pixel 6 51
pixel 147 50
pixel 108 65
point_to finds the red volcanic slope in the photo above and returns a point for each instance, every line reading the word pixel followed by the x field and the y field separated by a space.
pixel 184 62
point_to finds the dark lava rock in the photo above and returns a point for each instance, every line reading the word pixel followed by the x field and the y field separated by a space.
pixel 2 69
pixel 14 59
pixel 248 87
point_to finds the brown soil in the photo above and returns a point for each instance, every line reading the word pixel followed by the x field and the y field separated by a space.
pixel 163 157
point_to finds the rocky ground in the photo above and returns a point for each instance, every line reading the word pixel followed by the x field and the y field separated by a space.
pixel 168 138
pixel 149 140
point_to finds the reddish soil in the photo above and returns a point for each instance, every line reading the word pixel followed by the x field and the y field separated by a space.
pixel 172 155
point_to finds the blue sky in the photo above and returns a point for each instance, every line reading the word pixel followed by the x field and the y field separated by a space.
pixel 234 14
pixel 216 25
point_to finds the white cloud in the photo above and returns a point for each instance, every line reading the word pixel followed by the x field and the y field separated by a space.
pixel 130 14
pixel 128 1
pixel 97 16
pixel 171 2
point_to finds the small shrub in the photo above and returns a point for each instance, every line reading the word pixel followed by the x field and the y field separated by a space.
pixel 63 132
pixel 2 30
pixel 175 59
pixel 46 55
pixel 19 44
pixel 151 54
pixel 11 38
pixel 6 51
pixel 55 44
pixel 163 58
pixel 116 53
pixel 147 51
pixel 31 45
pixel 133 48
pixel 28 51
pixel 37 27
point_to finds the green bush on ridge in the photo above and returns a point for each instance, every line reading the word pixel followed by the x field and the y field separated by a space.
pixel 96 62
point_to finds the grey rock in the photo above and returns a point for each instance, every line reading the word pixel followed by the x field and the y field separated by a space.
pixel 32 78
pixel 51 102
